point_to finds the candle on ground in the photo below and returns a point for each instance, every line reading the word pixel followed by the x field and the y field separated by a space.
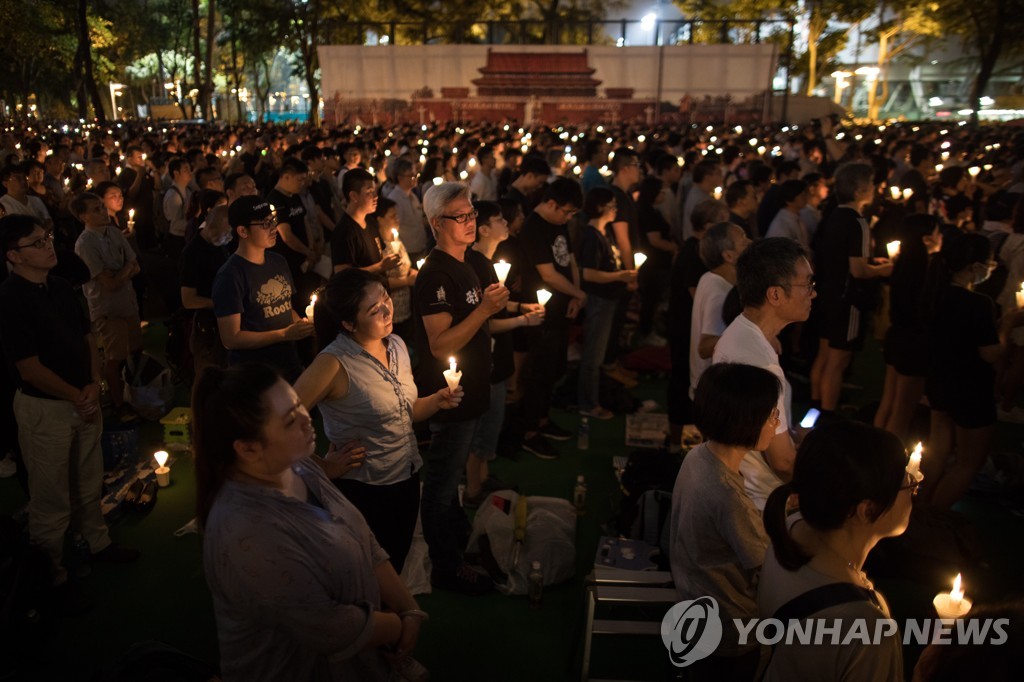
pixel 163 472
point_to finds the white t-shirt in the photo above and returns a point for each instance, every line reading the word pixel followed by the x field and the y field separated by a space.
pixel 743 342
pixel 706 319
pixel 34 207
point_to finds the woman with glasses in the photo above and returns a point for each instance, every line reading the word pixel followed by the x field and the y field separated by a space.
pixel 851 488
pixel 716 539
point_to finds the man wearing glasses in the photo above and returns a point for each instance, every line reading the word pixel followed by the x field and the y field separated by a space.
pixel 550 266
pixel 46 336
pixel 453 310
pixel 252 294
pixel 776 285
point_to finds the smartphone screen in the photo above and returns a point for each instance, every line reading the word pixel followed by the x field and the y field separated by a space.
pixel 810 418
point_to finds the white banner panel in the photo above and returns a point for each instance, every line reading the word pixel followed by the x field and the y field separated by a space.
pixel 396 72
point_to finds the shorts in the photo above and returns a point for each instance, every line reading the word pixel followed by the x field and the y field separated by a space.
pixel 906 350
pixel 843 326
pixel 121 336
pixel 488 427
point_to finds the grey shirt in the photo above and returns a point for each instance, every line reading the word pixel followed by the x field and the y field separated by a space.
pixel 293 583
pixel 716 541
pixel 101 251
pixel 377 411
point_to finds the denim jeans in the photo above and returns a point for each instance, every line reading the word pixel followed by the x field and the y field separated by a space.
pixel 488 426
pixel 597 327
pixel 445 526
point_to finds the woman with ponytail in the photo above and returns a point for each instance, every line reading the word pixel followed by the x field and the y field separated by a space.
pixel 362 382
pixel 299 583
pixel 851 488
pixel 716 540
pixel 960 382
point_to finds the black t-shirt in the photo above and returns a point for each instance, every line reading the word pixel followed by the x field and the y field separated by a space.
pixel 501 344
pixel 596 254
pixel 199 264
pixel 651 220
pixel 524 201
pixel 511 251
pixel 687 270
pixel 322 195
pixel 291 210
pixel 353 245
pixel 262 295
pixel 626 212
pixel 964 322
pixel 545 243
pixel 446 285
pixel 843 235
pixel 46 321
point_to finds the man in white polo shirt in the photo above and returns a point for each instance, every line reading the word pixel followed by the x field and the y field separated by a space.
pixel 776 286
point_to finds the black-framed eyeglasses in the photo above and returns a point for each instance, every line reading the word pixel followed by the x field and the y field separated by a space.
pixel 268 223
pixel 462 218
pixel 809 285
pixel 568 211
pixel 37 244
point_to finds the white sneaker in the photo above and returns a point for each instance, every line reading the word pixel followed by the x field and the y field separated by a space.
pixel 8 467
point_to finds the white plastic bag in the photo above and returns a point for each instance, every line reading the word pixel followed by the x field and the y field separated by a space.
pixel 550 538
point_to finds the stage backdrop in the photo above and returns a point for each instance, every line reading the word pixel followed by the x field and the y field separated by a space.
pixel 472 80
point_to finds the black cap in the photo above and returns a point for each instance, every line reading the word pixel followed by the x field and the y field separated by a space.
pixel 247 210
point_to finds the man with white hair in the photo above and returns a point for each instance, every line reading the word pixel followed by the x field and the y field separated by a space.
pixel 451 327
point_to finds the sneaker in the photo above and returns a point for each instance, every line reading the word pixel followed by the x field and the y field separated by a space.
pixel 464 580
pixel 116 554
pixel 540 446
pixel 8 467
pixel 555 432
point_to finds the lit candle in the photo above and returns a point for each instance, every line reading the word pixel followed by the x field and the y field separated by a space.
pixel 437 181
pixel 895 191
pixel 974 170
pixel 914 466
pixel 638 260
pixel 420 262
pixel 131 220
pixel 310 307
pixel 717 193
pixel 117 171
pixel 543 296
pixel 396 243
pixel 463 175
pixel 952 604
pixel 907 193
pixel 452 375
pixel 893 248
pixel 1020 296
pixel 501 269
pixel 163 472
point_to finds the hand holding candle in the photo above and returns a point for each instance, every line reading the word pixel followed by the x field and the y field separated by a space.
pixel 452 375
pixel 396 243
pixel 543 296
pixel 163 472
pixel 310 309
pixel 638 260
pixel 893 248
pixel 501 269
pixel 717 194
pixel 952 604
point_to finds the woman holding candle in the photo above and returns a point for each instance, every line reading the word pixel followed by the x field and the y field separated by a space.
pixel 604 281
pixel 299 583
pixel 851 487
pixel 401 277
pixel 362 382
pixel 960 382
pixel 491 230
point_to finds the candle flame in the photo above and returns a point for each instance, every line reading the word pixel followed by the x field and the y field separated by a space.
pixel 918 449
pixel 131 214
pixel 895 192
pixel 451 364
pixel 957 593
pixel 394 234
pixel 312 299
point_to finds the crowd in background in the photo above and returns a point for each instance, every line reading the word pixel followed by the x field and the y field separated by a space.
pixel 753 254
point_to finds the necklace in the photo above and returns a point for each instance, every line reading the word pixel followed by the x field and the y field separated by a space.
pixel 861 577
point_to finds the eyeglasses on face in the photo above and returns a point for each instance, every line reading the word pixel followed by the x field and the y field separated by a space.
pixel 37 244
pixel 911 483
pixel 462 218
pixel 809 285
pixel 268 223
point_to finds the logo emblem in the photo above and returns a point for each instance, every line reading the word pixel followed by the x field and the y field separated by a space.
pixel 473 296
pixel 691 630
pixel 441 297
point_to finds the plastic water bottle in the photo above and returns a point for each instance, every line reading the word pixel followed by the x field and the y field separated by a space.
pixel 536 585
pixel 583 437
pixel 579 495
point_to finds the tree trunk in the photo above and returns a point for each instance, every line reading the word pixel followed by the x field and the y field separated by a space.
pixel 812 63
pixel 206 90
pixel 85 47
pixel 197 60
pixel 234 69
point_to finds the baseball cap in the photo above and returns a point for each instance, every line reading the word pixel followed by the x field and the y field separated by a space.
pixel 247 210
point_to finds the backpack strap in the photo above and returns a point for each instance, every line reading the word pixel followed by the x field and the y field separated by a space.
pixel 821 598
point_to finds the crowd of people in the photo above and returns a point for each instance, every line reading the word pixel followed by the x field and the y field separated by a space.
pixel 428 282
